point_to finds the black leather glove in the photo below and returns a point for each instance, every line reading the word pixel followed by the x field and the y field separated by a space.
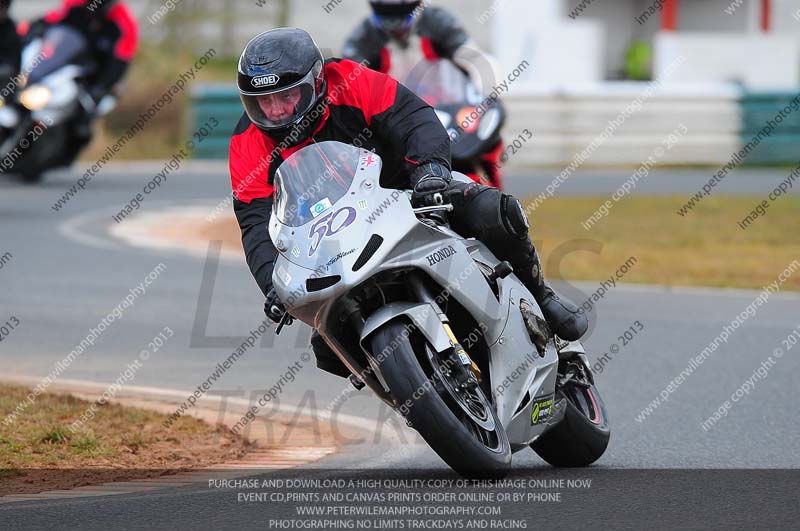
pixel 428 180
pixel 273 307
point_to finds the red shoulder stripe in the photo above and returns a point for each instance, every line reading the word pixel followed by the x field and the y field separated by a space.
pixel 386 60
pixel 121 15
pixel 57 15
pixel 355 85
pixel 249 160
pixel 427 49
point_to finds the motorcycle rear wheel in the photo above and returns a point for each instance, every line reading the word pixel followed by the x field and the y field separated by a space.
pixel 582 435
pixel 462 428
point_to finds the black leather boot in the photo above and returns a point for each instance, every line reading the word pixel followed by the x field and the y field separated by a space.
pixel 561 314
pixel 327 360
pixel 499 221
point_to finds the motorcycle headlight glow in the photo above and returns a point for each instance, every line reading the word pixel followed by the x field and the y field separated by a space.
pixel 35 98
pixel 489 124
pixel 444 117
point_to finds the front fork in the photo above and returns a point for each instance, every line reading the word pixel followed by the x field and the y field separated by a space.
pixel 457 363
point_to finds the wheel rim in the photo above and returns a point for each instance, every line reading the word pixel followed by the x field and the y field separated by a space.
pixel 471 407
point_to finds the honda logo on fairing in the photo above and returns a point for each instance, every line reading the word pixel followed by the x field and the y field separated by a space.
pixel 440 255
pixel 265 81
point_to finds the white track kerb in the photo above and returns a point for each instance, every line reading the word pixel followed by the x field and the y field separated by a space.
pixel 160 399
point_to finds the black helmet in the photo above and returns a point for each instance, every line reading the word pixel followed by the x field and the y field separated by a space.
pixel 396 17
pixel 281 80
pixel 5 5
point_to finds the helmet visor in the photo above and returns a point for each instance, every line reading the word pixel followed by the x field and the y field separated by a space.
pixel 394 9
pixel 278 108
pixel 395 25
pixel 395 18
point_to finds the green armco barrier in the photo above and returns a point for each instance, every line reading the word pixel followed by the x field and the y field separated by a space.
pixel 783 145
pixel 220 102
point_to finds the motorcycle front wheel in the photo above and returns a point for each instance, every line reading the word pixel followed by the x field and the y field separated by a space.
pixel 462 427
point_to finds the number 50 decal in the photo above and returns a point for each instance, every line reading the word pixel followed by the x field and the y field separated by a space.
pixel 330 225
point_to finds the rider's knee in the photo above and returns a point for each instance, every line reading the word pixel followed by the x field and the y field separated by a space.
pixel 514 217
pixel 501 216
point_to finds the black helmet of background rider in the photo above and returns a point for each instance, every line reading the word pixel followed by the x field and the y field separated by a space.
pixel 100 7
pixel 5 5
pixel 397 18
pixel 283 66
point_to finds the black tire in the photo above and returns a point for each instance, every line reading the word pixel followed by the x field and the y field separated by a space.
pixel 442 426
pixel 582 436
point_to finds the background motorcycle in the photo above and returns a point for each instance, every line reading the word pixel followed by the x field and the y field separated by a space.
pixel 472 121
pixel 432 322
pixel 37 124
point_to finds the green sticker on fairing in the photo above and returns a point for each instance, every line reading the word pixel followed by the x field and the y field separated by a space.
pixel 542 410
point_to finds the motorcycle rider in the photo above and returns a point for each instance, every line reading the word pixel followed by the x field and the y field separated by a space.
pixel 292 97
pixel 401 33
pixel 10 50
pixel 112 30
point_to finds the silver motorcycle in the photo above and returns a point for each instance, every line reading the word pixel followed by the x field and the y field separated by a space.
pixel 36 124
pixel 436 325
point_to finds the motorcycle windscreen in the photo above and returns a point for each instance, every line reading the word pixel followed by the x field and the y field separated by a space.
pixel 312 180
pixel 61 45
pixel 441 83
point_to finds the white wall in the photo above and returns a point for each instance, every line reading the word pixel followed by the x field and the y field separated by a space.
pixel 616 19
pixel 559 51
pixel 565 123
pixel 710 16
pixel 786 17
pixel 759 61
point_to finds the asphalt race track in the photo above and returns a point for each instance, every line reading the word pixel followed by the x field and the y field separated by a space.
pixel 66 273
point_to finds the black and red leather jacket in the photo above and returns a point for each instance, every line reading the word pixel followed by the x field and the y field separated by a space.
pixel 363 105
pixel 114 36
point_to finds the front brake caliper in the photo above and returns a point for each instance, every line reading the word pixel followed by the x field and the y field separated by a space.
pixel 460 360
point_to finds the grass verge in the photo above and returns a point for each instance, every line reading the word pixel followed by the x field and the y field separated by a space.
pixel 39 452
pixel 704 248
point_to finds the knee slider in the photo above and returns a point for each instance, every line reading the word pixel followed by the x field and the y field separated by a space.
pixel 514 218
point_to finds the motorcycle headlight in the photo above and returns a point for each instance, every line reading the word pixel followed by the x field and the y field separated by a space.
pixel 444 117
pixel 35 98
pixel 489 124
